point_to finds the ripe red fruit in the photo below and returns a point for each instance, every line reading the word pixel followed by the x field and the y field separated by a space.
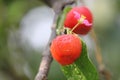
pixel 66 48
pixel 81 15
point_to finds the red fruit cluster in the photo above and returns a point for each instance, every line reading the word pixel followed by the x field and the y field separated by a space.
pixel 80 15
pixel 66 48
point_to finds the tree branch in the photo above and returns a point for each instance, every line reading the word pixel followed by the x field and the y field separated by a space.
pixel 46 60
pixel 98 55
pixel 57 5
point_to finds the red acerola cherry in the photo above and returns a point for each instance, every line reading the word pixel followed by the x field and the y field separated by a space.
pixel 66 48
pixel 81 15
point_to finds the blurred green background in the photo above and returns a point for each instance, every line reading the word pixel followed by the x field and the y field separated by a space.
pixel 25 30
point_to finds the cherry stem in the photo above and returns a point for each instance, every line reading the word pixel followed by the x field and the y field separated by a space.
pixel 79 22
pixel 74 27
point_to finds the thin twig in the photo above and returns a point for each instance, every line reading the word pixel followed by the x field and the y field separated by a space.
pixel 99 59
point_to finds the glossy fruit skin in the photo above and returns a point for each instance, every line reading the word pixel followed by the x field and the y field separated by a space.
pixel 74 15
pixel 66 48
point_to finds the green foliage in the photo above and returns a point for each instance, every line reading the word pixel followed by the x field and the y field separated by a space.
pixel 82 68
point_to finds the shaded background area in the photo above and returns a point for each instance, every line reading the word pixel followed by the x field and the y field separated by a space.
pixel 25 27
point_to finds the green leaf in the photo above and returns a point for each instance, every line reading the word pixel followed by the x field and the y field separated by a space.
pixel 82 68
pixel 61 18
